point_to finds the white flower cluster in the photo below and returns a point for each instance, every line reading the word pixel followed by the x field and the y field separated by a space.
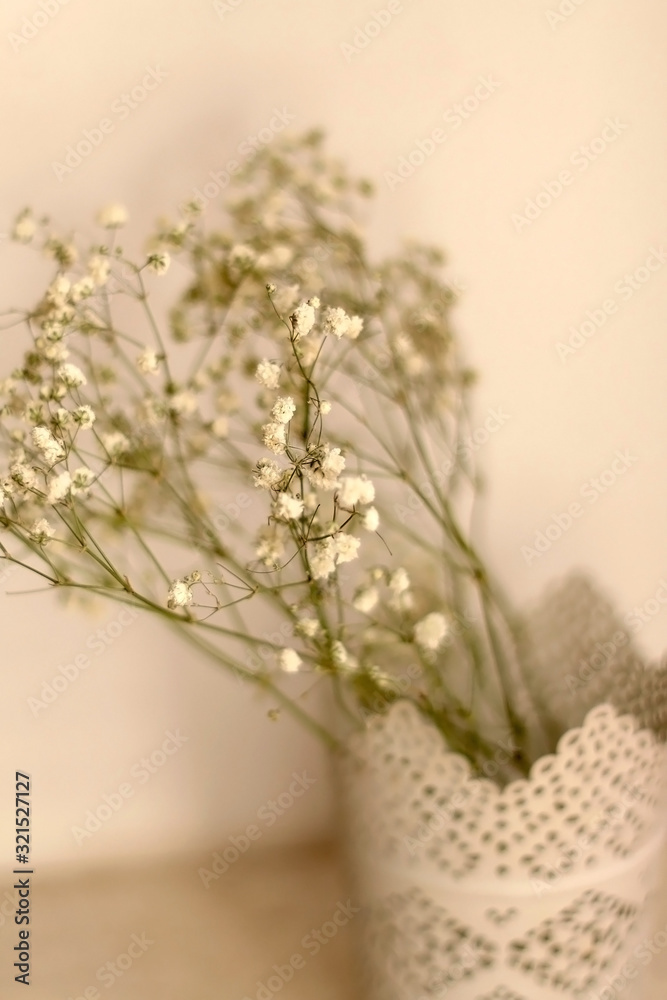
pixel 58 488
pixel 283 409
pixel 366 599
pixel 65 485
pixel 98 269
pixel 158 261
pixel 325 467
pixel 23 475
pixel 308 627
pixel 180 595
pixel 289 660
pixel 147 362
pixel 241 257
pixel 431 631
pixel 58 290
pixel 287 508
pixel 115 444
pixel 370 519
pixel 303 318
pixel 51 449
pixel 267 374
pixel 84 416
pixel 183 404
pixel 343 659
pixel 327 553
pixel 160 447
pixel 354 490
pixel 220 427
pixel 267 474
pixel 274 437
pixel 112 216
pixel 367 596
pixel 270 546
pixel 71 376
pixel 41 532
pixel 25 227
pixel 338 323
pixel 399 585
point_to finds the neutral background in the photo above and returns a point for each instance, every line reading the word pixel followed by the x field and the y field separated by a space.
pixel 555 84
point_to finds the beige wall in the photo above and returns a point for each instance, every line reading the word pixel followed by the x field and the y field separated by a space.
pixel 551 87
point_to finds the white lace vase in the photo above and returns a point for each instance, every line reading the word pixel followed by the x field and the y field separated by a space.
pixel 538 891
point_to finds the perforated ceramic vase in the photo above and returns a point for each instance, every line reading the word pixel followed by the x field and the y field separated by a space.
pixel 541 890
pixel 538 891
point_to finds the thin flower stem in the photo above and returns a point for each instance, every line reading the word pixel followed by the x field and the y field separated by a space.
pixel 267 685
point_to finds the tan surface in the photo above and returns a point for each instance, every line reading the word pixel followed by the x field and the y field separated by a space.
pixel 208 944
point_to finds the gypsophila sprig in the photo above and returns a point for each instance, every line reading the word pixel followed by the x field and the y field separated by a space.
pixel 267 474
pixel 159 262
pixel 58 488
pixel 47 445
pixel 148 362
pixel 289 661
pixel 355 490
pixel 180 595
pixel 24 227
pixel 283 409
pixel 303 320
pixel 287 508
pixel 112 216
pixel 268 374
pixel 338 323
pixel 42 532
pixel 430 632
pixel 84 416
pixel 71 376
pixel 285 419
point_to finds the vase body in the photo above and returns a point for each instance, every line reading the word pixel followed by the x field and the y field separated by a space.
pixel 542 890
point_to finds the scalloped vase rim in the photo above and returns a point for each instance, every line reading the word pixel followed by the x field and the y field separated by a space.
pixel 538 767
